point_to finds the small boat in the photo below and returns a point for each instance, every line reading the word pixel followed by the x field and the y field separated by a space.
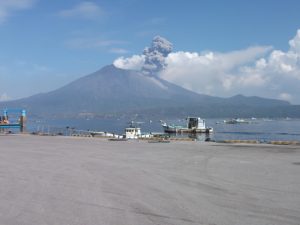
pixel 194 125
pixel 235 121
pixel 104 134
pixel 134 132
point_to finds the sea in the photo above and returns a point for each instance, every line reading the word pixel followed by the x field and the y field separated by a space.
pixel 259 129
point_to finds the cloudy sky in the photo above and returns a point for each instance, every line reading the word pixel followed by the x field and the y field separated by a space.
pixel 220 48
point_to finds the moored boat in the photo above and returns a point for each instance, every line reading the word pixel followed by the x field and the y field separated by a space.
pixel 134 132
pixel 235 121
pixel 194 125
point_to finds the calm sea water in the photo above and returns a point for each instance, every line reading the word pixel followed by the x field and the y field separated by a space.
pixel 259 129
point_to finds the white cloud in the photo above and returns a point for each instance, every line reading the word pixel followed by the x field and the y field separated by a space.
pixel 118 51
pixel 135 62
pixel 212 72
pixel 209 72
pixel 260 71
pixel 85 10
pixel 91 43
pixel 285 96
pixel 281 63
pixel 275 75
pixel 4 97
pixel 7 7
pixel 295 43
pixel 29 66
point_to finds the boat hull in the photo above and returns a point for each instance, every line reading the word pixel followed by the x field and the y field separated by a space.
pixel 186 130
pixel 194 125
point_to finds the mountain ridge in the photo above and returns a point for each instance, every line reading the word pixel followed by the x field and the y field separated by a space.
pixel 111 90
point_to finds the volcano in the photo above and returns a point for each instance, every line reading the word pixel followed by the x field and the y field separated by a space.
pixel 113 90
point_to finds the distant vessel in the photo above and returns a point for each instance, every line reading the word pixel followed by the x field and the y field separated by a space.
pixel 134 132
pixel 235 121
pixel 105 134
pixel 194 125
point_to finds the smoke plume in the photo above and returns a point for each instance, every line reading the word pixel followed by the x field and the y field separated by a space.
pixel 155 56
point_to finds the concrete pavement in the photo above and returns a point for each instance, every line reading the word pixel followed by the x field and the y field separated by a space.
pixel 90 181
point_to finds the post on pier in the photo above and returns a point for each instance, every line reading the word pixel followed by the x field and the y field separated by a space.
pixel 22 120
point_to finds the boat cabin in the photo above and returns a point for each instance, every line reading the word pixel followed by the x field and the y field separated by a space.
pixel 195 123
pixel 133 132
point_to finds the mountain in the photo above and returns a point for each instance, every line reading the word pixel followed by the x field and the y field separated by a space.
pixel 117 91
pixel 256 101
pixel 109 90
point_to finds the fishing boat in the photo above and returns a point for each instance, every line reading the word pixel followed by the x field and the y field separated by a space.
pixel 235 121
pixel 194 125
pixel 134 132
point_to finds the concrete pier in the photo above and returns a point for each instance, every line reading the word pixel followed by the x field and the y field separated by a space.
pixel 89 181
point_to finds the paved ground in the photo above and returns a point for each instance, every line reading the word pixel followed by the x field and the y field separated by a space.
pixel 86 181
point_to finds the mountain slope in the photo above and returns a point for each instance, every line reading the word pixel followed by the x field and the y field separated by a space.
pixel 113 90
pixel 110 90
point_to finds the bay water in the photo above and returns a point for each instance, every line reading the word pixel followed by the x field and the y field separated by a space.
pixel 262 130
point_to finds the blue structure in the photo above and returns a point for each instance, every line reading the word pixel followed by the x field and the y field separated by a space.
pixel 20 123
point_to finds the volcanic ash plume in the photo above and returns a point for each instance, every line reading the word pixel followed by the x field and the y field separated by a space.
pixel 155 55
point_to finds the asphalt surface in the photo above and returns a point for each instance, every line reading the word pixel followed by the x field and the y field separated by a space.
pixel 90 181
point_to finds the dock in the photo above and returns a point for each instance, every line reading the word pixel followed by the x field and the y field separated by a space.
pixel 5 122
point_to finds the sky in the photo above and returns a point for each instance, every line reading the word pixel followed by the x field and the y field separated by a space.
pixel 220 48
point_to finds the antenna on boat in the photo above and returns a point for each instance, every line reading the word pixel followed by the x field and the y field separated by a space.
pixel 134 124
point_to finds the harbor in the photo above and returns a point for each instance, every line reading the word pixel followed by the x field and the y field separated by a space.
pixel 149 112
pixel 66 175
pixel 251 130
pixel 262 130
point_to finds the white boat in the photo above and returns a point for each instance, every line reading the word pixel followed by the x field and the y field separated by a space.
pixel 134 132
pixel 235 121
pixel 104 134
pixel 194 125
